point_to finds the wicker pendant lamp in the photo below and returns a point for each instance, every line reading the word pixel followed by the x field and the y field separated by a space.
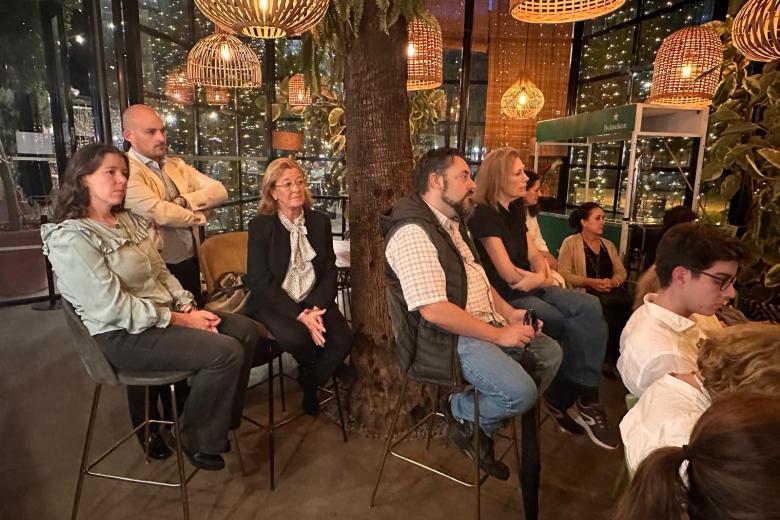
pixel 424 55
pixel 178 89
pixel 686 68
pixel 756 30
pixel 217 96
pixel 265 18
pixel 298 96
pixel 222 60
pixel 561 11
pixel 523 100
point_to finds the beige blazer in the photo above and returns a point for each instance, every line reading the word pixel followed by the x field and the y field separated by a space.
pixel 571 261
pixel 146 195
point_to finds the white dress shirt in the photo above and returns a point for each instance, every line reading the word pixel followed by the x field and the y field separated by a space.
pixel 664 416
pixel 657 341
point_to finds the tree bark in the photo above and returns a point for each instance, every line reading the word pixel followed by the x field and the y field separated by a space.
pixel 379 166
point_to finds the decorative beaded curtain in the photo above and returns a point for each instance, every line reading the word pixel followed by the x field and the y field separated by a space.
pixel 424 55
pixel 265 18
pixel 548 53
pixel 686 68
pixel 178 89
pixel 222 60
pixel 756 30
pixel 562 11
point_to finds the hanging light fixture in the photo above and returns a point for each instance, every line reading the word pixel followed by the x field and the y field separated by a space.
pixel 298 96
pixel 561 11
pixel 686 69
pixel 217 96
pixel 424 54
pixel 222 60
pixel 523 100
pixel 265 18
pixel 178 88
pixel 756 30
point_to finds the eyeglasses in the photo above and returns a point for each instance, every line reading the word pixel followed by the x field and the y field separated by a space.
pixel 287 186
pixel 725 283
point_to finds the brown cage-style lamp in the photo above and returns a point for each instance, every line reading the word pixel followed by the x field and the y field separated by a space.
pixel 756 30
pixel 265 18
pixel 686 69
pixel 561 11
pixel 222 60
pixel 424 54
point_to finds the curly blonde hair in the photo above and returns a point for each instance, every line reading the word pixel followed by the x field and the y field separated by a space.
pixel 275 169
pixel 743 357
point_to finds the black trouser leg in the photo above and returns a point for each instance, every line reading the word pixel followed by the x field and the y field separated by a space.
pixel 188 274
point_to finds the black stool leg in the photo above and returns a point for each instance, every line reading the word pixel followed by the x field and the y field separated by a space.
pixel 390 433
pixel 271 422
pixel 85 454
pixel 337 397
pixel 180 456
pixel 146 423
pixel 281 383
pixel 531 463
pixel 477 479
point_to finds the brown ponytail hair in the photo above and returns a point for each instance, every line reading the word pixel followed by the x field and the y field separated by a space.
pixel 733 459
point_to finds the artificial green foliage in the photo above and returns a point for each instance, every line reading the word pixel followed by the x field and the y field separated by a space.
pixel 744 152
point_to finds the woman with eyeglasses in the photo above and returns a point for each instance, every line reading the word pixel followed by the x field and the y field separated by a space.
pixel 590 263
pixel 291 273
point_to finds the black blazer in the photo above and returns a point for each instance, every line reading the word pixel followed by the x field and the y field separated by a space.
pixel 268 255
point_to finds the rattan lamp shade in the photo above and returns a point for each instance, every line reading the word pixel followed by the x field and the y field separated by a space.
pixel 756 30
pixel 179 89
pixel 222 60
pixel 265 18
pixel 561 11
pixel 298 96
pixel 686 68
pixel 523 100
pixel 424 55
pixel 217 96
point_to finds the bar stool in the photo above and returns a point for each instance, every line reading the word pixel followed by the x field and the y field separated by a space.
pixel 102 373
pixel 528 469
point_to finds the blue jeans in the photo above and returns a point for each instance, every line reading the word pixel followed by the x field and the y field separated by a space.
pixel 502 377
pixel 576 320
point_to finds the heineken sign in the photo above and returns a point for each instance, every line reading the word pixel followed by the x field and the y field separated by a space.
pixel 615 120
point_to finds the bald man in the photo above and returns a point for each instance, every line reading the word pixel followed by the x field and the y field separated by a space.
pixel 168 192
pixel 175 197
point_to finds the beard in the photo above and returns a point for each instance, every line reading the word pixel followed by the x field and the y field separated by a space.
pixel 463 207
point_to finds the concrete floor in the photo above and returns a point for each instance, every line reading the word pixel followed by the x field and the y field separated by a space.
pixel 43 416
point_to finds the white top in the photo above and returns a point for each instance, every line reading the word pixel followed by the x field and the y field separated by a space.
pixel 534 233
pixel 664 416
pixel 657 341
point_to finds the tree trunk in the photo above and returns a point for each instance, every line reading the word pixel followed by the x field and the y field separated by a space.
pixel 379 165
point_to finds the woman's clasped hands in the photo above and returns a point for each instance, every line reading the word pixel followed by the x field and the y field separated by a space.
pixel 312 318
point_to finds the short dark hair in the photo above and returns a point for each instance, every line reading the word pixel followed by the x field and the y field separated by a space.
pixel 533 178
pixel 695 247
pixel 73 198
pixel 581 213
pixel 436 160
pixel 677 215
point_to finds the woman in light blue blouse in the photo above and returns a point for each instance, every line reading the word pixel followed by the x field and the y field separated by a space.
pixel 110 271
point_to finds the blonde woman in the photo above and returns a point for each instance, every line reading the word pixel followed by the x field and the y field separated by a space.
pixel 291 273
pixel 522 277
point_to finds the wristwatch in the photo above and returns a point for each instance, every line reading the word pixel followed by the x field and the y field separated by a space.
pixel 180 201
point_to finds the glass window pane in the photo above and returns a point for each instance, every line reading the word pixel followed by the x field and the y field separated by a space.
pixel 217 131
pixel 251 177
pixel 224 219
pixel 179 124
pixel 640 86
pixel 607 53
pixel 169 17
pixel 625 13
pixel 226 172
pixel 602 94
pixel 158 58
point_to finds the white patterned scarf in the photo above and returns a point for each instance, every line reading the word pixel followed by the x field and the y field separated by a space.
pixel 300 278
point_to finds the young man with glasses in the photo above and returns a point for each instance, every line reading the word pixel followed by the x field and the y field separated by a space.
pixel 696 267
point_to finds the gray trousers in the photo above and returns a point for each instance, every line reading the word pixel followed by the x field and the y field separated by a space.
pixel 221 363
